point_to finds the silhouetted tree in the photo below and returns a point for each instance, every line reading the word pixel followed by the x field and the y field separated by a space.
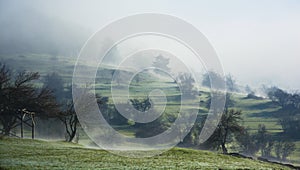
pixel 207 77
pixel 52 127
pixel 283 98
pixel 278 96
pixel 249 90
pixel 278 149
pixel 17 92
pixel 227 128
pixel 289 114
pixel 68 115
pixel 187 85
pixel 284 149
pixel 287 149
pixel 264 141
pixel 219 96
pixel 290 122
pixel 152 128
pixel 218 79
pixel 231 84
pixel 268 149
pixel 141 104
pixel 161 62
pixel 70 120
pixel 247 143
pixel 55 83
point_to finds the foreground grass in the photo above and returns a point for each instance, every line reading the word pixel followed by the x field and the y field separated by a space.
pixel 35 154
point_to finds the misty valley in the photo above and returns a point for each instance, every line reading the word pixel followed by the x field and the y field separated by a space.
pixel 149 85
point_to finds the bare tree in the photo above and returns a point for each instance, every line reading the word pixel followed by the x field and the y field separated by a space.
pixel 69 117
pixel 17 92
pixel 70 120
pixel 284 149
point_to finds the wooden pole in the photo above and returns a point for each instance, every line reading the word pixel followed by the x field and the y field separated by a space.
pixel 22 127
pixel 32 127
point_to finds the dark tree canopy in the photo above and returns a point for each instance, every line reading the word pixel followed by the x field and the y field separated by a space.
pixel 289 114
pixel 210 76
pixel 188 85
pixel 264 141
pixel 55 83
pixel 141 104
pixel 284 149
pixel 18 93
pixel 248 143
pixel 229 102
pixel 161 62
pixel 231 84
pixel 226 129
pixel 278 96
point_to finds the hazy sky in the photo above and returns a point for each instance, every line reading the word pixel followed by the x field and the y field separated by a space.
pixel 257 41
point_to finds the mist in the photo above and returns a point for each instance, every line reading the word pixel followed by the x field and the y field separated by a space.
pixel 257 42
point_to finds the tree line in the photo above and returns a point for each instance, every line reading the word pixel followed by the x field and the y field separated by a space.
pixel 53 99
pixel 20 94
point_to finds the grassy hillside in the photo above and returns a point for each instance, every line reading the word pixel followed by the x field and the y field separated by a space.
pixel 35 154
pixel 255 111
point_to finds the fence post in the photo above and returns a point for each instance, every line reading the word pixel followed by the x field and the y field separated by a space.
pixel 22 126
pixel 32 126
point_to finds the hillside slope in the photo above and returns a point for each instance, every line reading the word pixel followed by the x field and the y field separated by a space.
pixel 254 111
pixel 35 154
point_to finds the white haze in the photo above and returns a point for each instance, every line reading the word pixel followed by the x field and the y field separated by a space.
pixel 257 41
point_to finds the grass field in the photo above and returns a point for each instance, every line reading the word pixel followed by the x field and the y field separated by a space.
pixel 254 111
pixel 35 154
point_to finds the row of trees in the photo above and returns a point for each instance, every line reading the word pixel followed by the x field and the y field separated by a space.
pixel 289 113
pixel 50 103
pixel 231 84
pixel 266 144
pixel 230 132
pixel 163 62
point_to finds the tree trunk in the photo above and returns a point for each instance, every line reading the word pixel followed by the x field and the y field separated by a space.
pixel 71 137
pixel 224 149
pixel 7 127
pixel 6 131
pixel 8 123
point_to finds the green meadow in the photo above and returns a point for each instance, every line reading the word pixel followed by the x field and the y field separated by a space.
pixel 37 154
pixel 28 154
